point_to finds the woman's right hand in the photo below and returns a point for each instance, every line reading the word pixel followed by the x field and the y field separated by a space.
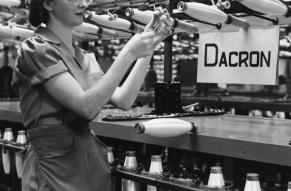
pixel 141 45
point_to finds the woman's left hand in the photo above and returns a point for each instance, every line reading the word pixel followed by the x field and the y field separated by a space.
pixel 143 44
pixel 161 24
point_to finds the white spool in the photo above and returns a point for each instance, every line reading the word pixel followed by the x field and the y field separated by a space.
pixel 21 139
pixel 146 16
pixel 107 21
pixel 8 136
pixel 14 32
pixel 141 16
pixel 202 12
pixel 87 28
pixel 216 177
pixel 10 3
pixel 252 182
pixel 164 127
pixel 269 7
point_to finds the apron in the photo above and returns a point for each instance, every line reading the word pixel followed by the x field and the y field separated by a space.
pixel 58 159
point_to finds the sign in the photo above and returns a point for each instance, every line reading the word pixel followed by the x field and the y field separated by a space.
pixel 242 57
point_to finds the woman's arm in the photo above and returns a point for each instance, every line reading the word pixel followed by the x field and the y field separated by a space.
pixel 124 96
pixel 88 103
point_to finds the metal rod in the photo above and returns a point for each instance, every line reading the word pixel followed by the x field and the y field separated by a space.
pixel 217 25
pixel 168 52
pixel 275 21
pixel 184 16
pixel 11 145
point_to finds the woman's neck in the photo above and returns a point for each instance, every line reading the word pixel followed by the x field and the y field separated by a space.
pixel 63 32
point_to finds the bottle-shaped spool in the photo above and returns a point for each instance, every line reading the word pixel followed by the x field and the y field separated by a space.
pixel 21 137
pixel 22 140
pixel 252 182
pixel 156 165
pixel 110 156
pixel 216 177
pixel 130 163
pixel 6 159
pixel 289 186
pixel 156 168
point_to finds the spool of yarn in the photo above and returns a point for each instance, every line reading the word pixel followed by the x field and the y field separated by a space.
pixel 130 163
pixel 216 177
pixel 6 158
pixel 164 127
pixel 209 13
pixel 10 3
pixel 269 7
pixel 22 140
pixel 252 182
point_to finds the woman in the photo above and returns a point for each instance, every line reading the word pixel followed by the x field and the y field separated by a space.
pixel 62 88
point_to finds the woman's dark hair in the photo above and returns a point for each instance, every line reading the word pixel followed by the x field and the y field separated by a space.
pixel 37 13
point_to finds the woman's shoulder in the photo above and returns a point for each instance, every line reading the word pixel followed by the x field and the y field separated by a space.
pixel 34 42
pixel 37 47
pixel 38 60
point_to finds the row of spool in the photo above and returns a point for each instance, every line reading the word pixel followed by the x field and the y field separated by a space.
pixel 215 179
pixel 8 144
pixel 110 25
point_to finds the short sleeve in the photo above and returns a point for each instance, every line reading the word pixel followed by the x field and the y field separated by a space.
pixel 39 61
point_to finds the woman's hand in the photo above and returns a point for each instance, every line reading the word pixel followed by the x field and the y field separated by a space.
pixel 141 45
pixel 161 23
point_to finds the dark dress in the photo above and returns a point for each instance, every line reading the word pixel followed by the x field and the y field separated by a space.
pixel 63 154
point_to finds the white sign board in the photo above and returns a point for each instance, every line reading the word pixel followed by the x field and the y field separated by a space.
pixel 242 57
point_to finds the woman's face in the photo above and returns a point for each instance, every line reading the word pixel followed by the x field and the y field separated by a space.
pixel 69 12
